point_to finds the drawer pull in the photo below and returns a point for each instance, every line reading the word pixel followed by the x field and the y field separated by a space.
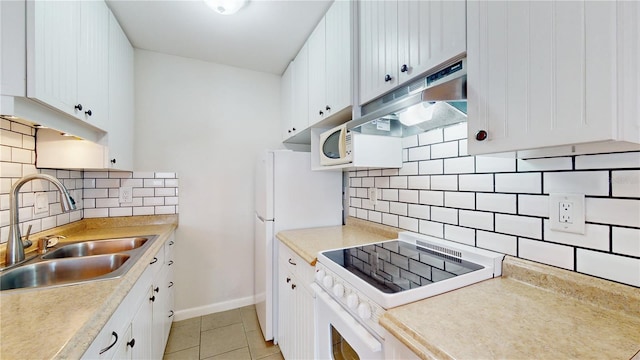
pixel 170 284
pixel 155 260
pixel 288 280
pixel 291 262
pixel 293 286
pixel 170 242
pixel 170 263
pixel 171 313
pixel 132 343
pixel 114 334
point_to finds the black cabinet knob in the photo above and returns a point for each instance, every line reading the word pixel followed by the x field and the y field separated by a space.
pixel 404 68
pixel 294 129
pixel 289 131
pixel 288 280
pixel 328 108
pixel 78 107
pixel 153 298
pixel 387 78
pixel 170 284
pixel 320 113
pixel 88 112
pixel 481 135
pixel 293 286
pixel 156 289
pixel 113 161
pixel 132 343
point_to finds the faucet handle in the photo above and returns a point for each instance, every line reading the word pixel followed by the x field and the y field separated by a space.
pixel 25 238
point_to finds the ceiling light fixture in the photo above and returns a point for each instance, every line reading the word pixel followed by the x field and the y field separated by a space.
pixel 226 7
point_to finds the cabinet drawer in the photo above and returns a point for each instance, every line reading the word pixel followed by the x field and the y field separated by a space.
pixel 296 265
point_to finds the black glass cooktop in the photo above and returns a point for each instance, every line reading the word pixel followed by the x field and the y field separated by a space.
pixel 396 266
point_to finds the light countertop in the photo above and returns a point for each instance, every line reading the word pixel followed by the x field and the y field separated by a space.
pixel 61 322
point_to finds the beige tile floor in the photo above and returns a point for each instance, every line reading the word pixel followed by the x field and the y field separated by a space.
pixel 233 334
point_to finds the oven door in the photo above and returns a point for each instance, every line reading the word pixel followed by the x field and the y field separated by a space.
pixel 339 335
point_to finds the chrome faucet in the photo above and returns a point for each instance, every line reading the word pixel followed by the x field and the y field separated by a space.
pixel 15 248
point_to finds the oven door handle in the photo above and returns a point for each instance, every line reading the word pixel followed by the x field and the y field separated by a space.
pixel 359 331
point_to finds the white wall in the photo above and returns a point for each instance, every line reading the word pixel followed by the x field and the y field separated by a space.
pixel 207 122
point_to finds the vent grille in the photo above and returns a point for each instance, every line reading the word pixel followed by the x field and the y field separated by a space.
pixel 441 249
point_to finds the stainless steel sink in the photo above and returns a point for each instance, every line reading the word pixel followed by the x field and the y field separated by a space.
pixel 79 262
pixel 97 247
pixel 59 272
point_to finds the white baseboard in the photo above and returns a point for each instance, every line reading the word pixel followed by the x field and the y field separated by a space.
pixel 213 308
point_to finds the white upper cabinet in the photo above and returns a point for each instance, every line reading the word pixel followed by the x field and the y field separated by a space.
pixel 300 118
pixel 330 64
pixel 400 40
pixel 67 57
pixel 286 93
pixel 121 99
pixel 553 73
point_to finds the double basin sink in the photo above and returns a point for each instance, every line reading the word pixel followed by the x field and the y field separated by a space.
pixel 79 262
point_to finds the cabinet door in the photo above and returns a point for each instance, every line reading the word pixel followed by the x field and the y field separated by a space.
pixel 304 322
pixel 339 70
pixel 317 74
pixel 124 350
pixel 540 73
pixel 52 53
pixel 286 91
pixel 121 107
pixel 142 329
pixel 93 62
pixel 286 311
pixel 301 90
pixel 378 48
pixel 429 34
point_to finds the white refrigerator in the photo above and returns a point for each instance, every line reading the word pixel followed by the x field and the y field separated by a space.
pixel 288 196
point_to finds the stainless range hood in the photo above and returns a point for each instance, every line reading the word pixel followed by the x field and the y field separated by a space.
pixel 434 101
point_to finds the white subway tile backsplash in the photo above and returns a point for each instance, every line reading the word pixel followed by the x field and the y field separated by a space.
pixel 389 172
pixel 419 182
pixel 368 182
pixel 356 182
pixel 143 210
pixel 408 196
pixel 527 183
pixel 20 155
pixel 11 138
pixel 360 192
pixel 476 219
pixel 519 225
pixel 96 213
pixel 595 237
pixel 623 212
pixel 398 182
pixel 444 150
pixel 375 216
pixel 431 228
pixel 444 215
pixel 533 205
pixel 419 211
pixel 476 182
pixel 121 211
pixel 432 197
pixel 170 200
pixel 146 192
pixel 459 165
pixel 96 193
pixel 21 128
pixel 626 241
pixel 505 244
pixel 419 153
pixel 107 203
pixel 120 174
pixel 409 168
pixel 382 206
pixel 390 194
pixel 455 132
pixel 552 254
pixel 431 137
pixel 165 175
pixel 96 174
pixel 153 201
pixel 547 164
pixel 139 183
pixel 494 164
pixel 460 200
pixel 594 183
pixel 408 223
pixel 618 268
pixel 398 208
pixel 444 182
pixel 500 203
pixel 356 202
pixel 164 210
pixel 462 147
pixel 153 182
pixel 382 182
pixel 431 167
pixel 608 161
pixel 389 219
pixel 460 234
pixel 410 141
pixel 11 169
pixel 625 183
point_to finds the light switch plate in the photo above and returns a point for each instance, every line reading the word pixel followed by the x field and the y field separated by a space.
pixel 41 203
pixel 125 195
pixel 566 213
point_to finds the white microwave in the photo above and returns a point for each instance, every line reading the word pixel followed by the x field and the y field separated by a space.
pixel 336 146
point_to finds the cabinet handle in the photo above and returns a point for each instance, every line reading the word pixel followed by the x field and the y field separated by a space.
pixel 293 286
pixel 481 135
pixel 157 289
pixel 114 334
pixel 155 260
pixel 170 284
pixel 289 131
pixel 291 262
pixel 288 279
pixel 294 129
pixel 404 68
pixel 78 107
pixel 170 263
pixel 113 161
pixel 171 313
pixel 153 298
pixel 170 242
pixel 132 343
pixel 387 78
pixel 320 113
pixel 88 112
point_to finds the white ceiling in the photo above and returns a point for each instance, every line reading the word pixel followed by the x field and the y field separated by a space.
pixel 263 36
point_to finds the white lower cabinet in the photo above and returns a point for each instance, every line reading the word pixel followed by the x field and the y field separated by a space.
pixel 296 325
pixel 139 327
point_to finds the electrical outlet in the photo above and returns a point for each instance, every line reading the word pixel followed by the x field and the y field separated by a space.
pixel 566 213
pixel 125 195
pixel 373 196
pixel 41 203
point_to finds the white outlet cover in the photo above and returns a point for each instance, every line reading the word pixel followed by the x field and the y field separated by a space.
pixel 577 205
pixel 125 195
pixel 41 203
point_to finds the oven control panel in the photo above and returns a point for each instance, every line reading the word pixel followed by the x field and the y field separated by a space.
pixel 357 304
